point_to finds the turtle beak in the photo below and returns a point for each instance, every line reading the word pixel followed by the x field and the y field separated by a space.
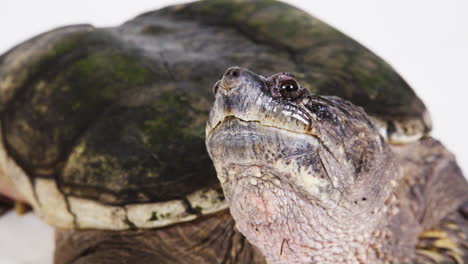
pixel 236 77
pixel 231 78
pixel 248 96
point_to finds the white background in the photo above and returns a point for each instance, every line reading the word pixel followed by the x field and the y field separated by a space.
pixel 425 41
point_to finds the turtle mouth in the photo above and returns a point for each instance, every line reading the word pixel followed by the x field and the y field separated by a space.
pixel 245 149
pixel 226 119
pixel 233 118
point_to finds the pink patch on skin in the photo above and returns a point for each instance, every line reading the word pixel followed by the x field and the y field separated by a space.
pixel 257 202
pixel 263 206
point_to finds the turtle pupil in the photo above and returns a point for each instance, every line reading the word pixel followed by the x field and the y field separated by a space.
pixel 289 89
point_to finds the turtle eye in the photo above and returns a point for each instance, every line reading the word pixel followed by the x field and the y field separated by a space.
pixel 289 89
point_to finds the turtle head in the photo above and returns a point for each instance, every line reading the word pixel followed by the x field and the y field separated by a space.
pixel 285 156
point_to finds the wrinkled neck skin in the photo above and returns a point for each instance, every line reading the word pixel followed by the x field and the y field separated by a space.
pixel 288 227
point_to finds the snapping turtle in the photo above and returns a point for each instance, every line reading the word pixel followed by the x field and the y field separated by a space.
pixel 314 179
pixel 103 129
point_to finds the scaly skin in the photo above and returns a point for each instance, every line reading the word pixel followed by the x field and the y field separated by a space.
pixel 433 193
pixel 309 179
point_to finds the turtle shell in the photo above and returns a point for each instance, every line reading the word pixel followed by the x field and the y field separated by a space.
pixel 104 128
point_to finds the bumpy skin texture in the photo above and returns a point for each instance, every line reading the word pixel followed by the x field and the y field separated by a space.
pixel 309 179
pixel 432 191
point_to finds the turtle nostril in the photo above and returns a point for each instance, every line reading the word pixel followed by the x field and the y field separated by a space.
pixel 235 73
pixel 232 78
pixel 232 72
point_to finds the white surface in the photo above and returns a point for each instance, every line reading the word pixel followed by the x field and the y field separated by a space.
pixel 425 41
pixel 25 240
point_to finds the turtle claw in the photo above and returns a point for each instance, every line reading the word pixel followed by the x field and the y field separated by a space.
pixel 22 208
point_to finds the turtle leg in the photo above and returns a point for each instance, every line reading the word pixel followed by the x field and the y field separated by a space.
pixel 211 239
pixel 447 242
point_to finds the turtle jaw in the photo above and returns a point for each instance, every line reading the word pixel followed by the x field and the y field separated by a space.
pixel 238 147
